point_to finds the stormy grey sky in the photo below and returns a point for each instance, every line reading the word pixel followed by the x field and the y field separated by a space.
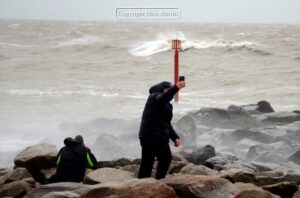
pixel 228 11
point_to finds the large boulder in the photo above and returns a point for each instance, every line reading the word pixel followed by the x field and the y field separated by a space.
pixel 193 169
pixel 135 188
pixel 15 175
pixel 250 191
pixel 274 153
pixel 240 134
pixel 281 117
pixel 207 113
pixel 201 155
pixel 176 166
pixel 77 188
pixel 239 190
pixel 220 159
pixel 283 189
pixel 194 185
pixel 264 107
pixel 265 180
pixel 238 113
pixel 238 175
pixel 39 156
pixel 15 189
pixel 4 171
pixel 105 175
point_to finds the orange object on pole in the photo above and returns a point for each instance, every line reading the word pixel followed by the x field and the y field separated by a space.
pixel 176 44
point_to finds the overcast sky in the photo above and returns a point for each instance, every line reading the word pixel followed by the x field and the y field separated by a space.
pixel 228 11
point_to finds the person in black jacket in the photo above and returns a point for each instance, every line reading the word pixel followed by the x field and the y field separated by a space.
pixel 72 161
pixel 156 129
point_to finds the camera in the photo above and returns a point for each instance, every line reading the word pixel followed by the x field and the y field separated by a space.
pixel 181 78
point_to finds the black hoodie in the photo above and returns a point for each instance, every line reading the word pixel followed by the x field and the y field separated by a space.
pixel 158 113
pixel 72 161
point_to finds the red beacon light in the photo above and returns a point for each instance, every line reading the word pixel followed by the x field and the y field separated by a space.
pixel 176 44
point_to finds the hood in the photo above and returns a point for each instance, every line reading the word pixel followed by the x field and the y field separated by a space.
pixel 160 87
pixel 79 138
pixel 71 142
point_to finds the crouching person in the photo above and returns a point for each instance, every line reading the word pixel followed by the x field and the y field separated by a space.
pixel 72 161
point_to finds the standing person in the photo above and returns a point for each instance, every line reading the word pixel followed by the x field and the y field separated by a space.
pixel 72 161
pixel 156 129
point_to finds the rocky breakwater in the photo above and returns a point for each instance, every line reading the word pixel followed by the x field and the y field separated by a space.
pixel 218 176
pixel 255 133
pixel 234 153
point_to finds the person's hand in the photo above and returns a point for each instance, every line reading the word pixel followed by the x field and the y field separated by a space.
pixel 177 142
pixel 180 84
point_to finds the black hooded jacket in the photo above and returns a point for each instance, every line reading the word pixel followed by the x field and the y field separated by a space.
pixel 158 113
pixel 72 161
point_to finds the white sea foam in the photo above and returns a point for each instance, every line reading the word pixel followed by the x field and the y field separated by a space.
pixel 14 26
pixel 16 45
pixel 53 93
pixel 84 40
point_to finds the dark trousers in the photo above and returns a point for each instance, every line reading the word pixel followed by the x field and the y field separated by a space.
pixel 150 150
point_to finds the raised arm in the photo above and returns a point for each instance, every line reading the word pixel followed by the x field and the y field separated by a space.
pixel 168 95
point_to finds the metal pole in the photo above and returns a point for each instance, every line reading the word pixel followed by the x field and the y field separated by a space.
pixel 176 71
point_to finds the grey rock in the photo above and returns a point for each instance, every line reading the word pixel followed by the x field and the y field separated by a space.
pixel 135 188
pixel 283 189
pixel 17 174
pixel 282 117
pixel 264 106
pixel 176 166
pixel 38 156
pixel 213 187
pixel 105 175
pixel 201 155
pixel 4 171
pixel 195 185
pixel 15 189
pixel 253 135
pixel 192 169
pixel 57 187
pixel 269 180
pixel 220 160
pixel 238 175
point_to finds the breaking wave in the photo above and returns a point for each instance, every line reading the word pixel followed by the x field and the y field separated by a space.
pixel 163 43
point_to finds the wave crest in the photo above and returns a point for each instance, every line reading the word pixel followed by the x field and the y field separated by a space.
pixel 163 43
